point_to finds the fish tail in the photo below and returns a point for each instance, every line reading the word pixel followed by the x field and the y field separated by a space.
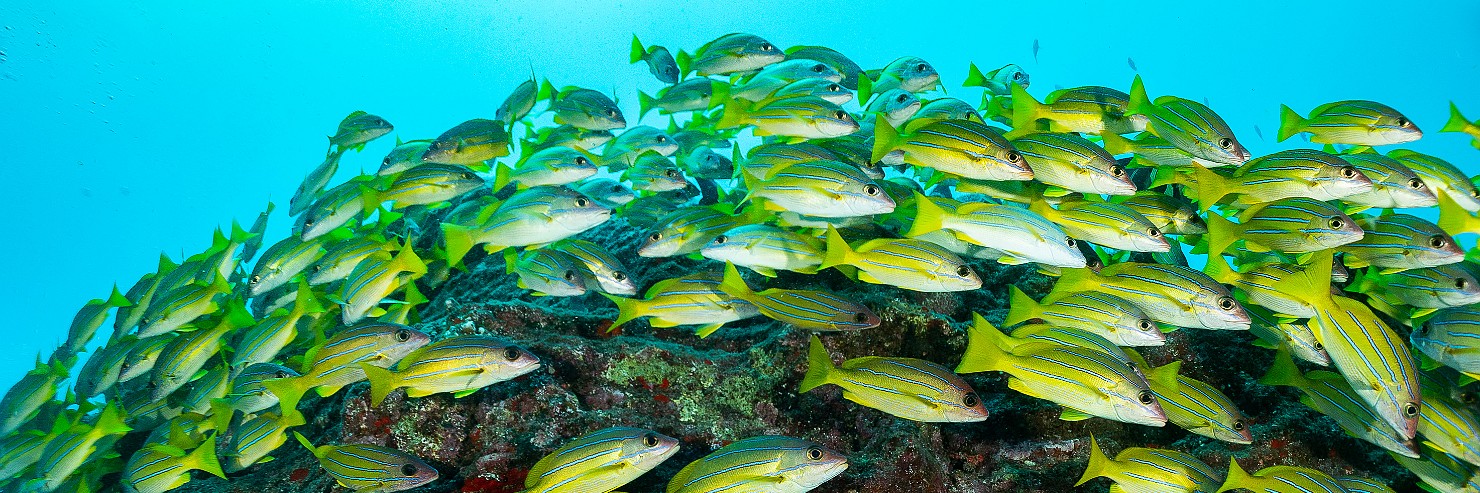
pixel 645 104
pixel 288 391
pixel 408 261
pixel 1221 234
pixel 1021 308
pixel 382 382
pixel 502 176
pixel 886 138
pixel 638 52
pixel 1290 123
pixel 1457 121
pixel 1099 464
pixel 110 421
pixel 1117 145
pixel 628 309
pixel 719 92
pixel 307 444
pixel 1218 269
pixel 203 458
pixel 1025 109
pixel 1454 219
pixel 1283 372
pixel 974 77
pixel 117 299
pixel 684 60
pixel 982 350
pixel 1210 186
pixel 838 251
pixel 547 91
pixel 1139 103
pixel 928 216
pixel 819 366
pixel 222 413
pixel 1165 175
pixel 865 89
pixel 1237 477
pixel 734 285
pixel 459 241
pixel 511 260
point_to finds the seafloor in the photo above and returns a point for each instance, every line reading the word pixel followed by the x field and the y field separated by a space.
pixel 742 382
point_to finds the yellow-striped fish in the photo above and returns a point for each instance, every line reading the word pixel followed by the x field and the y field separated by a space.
pixel 819 188
pixel 909 388
pixel 1072 163
pixel 429 184
pixel 261 343
pixel 18 451
pixel 694 299
pixel 85 324
pixel 1282 175
pixel 1452 338
pixel 24 400
pixel 763 463
pixel 687 230
pixel 376 278
pixel 1260 286
pixel 728 54
pixel 1086 109
pixel 1396 242
pixel 212 385
pixel 1111 317
pixel 600 461
pixel 558 165
pixel 1441 471
pixel 1187 124
pixel 653 172
pixel 765 249
pixel 1172 215
pixel 357 129
pixel 160 468
pixel 178 307
pixel 1196 406
pixel 252 439
pixel 187 354
pixel 960 147
pixel 338 206
pixel 1296 335
pixel 1449 427
pixel 403 156
pixel 1354 484
pixel 602 270
pixel 1354 122
pixel 1147 470
pixel 371 468
pixel 810 310
pixel 1441 177
pixel 1293 225
pixel 1394 186
pixel 531 216
pixel 1169 294
pixel 336 363
pixel 338 262
pixel 68 450
pixel 547 272
pixel 142 357
pixel 910 264
pixel 248 395
pixel 624 150
pixel 1373 359
pixel 1280 479
pixel 1021 236
pixel 808 117
pixel 1104 223
pixel 1425 289
pixel 281 261
pixel 460 365
pixel 470 142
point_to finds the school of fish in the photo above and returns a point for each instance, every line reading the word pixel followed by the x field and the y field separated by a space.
pixel 876 174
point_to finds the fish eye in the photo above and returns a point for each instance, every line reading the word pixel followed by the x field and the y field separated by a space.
pixel 1146 397
pixel 672 173
pixel 317 267
pixel 871 189
pixel 1014 156
pixel 767 47
pixel 1410 409
pixel 1226 143
pixel 819 68
pixel 385 162
pixel 963 271
pixel 1320 347
pixel 650 440
pixel 1402 122
pixel 255 279
pixel 403 335
pixel 1070 242
pixel 1348 172
pixel 1438 241
pixel 617 188
pixel 1467 397
pixel 620 276
pixel 1145 325
pixel 467 176
pixel 1336 223
pixel 902 98
pixel 840 114
pixel 581 160
pixel 814 453
pixel 611 113
pixel 1117 170
pixel 511 354
pixel 570 275
pixel 661 138
pixel 970 400
pixel 834 88
pixel 921 67
pixel 1227 304
pixel 656 236
pixel 1020 76
pixel 1475 192
pixel 1238 426
pixel 281 374
pixel 860 317
pixel 1415 183
pixel 307 223
pixel 1155 233
pixel 720 239
pixel 408 469
pixel 581 202
pixel 1461 283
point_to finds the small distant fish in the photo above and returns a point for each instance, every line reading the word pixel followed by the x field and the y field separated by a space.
pixel 1035 50
pixel 761 464
pixel 357 129
pixel 1356 122
pixel 728 54
pixel 602 460
pixel 1132 62
pixel 519 102
pixel 908 388
pixel 1145 470
pixel 370 468
pixel 810 310
pixel 1258 132
pixel 1458 123
pixel 659 61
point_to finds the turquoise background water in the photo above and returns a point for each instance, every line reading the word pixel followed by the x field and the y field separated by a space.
pixel 131 128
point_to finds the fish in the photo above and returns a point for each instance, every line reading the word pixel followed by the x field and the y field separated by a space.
pixel 765 249
pixel 370 468
pixel 1148 470
pixel 762 463
pixel 1276 478
pixel 809 117
pixel 1440 471
pixel 829 90
pixel 895 107
pixel 659 61
pixel 1394 186
pixel 1354 484
pixel 142 357
pixel 1117 320
pixel 1458 123
pixel 461 365
pixel 338 206
pixel 1086 110
pixel 179 307
pixel 1070 162
pixel 1035 50
pixel 1260 286
pixel 282 261
pixel 963 148
pixel 1196 406
pixel 341 259
pixel 908 388
pixel 944 109
pixel 89 318
pixel 1171 215
pixel 1353 122
pixel 335 363
pixel 609 193
pixel 557 165
pixel 915 265
pixel 248 394
pixel 766 159
pixel 704 163
pixel 1373 359
pixel 1445 337
pixel 212 384
pixel 313 184
pixel 1132 63
pixel 728 54
pixel 688 229
pixel 141 295
pixel 821 189
pixel 68 448
pixel 808 310
pixel 694 299
pixel 567 136
pixel 532 216
pixel 1189 125
pixel 430 184
pixel 1441 177
pixel 1397 242
pixel 23 401
pixel 519 102
pixel 910 73
pixel 582 108
pixel 357 129
pixel 1104 223
pixel 469 143
pixel 653 172
pixel 1168 294
pixel 600 461
pixel 697 94
pixel 160 468
pixel 373 280
pixel 102 368
pixel 1293 225
pixel 1449 427
pixel 850 71
pixel 403 157
pixel 625 150
pixel 603 271
pixel 257 230
pixel 1427 288
pixel 1087 382
pixel 997 82
pixel 1019 235
pixel 252 439
pixel 1286 174
pixel 546 272
pixel 1148 150
pixel 18 451
pixel 1295 335
pixel 185 355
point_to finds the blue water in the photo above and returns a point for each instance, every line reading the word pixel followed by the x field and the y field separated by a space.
pixel 131 128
